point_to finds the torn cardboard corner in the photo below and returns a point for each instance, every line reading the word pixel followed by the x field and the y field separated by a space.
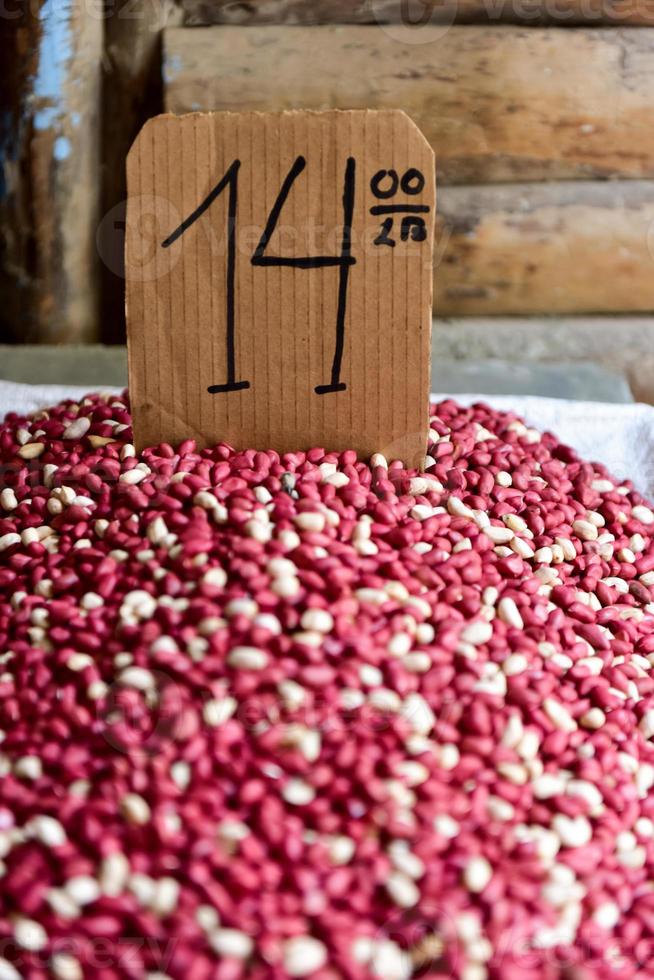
pixel 279 281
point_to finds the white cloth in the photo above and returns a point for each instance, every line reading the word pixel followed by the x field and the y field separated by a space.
pixel 620 436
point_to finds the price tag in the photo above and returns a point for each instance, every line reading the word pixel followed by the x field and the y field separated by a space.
pixel 279 281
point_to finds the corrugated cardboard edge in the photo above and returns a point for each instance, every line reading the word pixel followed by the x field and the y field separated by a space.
pixel 286 113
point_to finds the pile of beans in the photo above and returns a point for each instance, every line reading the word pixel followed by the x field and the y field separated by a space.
pixel 322 717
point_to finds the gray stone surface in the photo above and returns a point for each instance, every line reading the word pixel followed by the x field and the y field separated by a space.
pixel 582 382
pixel 457 368
pixel 93 365
pixel 622 344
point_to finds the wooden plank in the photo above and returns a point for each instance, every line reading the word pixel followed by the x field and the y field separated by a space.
pixel 575 247
pixel 421 13
pixel 49 165
pixel 132 92
pixel 496 103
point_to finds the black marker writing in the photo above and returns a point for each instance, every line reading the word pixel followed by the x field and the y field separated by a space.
pixel 343 261
pixel 383 238
pixel 385 184
pixel 400 209
pixel 230 179
pixel 413 228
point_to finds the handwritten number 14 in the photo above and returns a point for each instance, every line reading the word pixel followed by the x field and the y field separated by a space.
pixel 343 261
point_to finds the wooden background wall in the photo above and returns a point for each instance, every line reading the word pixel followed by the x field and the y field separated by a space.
pixel 49 165
pixel 540 112
pixel 77 80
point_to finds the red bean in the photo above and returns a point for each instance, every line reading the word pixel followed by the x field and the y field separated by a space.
pixel 249 705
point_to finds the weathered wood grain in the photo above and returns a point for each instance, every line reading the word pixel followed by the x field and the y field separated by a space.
pixel 49 172
pixel 496 103
pixel 578 247
pixel 419 14
pixel 132 92
pixel 19 44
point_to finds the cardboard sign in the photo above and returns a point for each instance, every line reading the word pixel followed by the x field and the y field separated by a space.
pixel 279 281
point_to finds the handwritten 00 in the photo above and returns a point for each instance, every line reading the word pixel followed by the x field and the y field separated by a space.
pixel 412 183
